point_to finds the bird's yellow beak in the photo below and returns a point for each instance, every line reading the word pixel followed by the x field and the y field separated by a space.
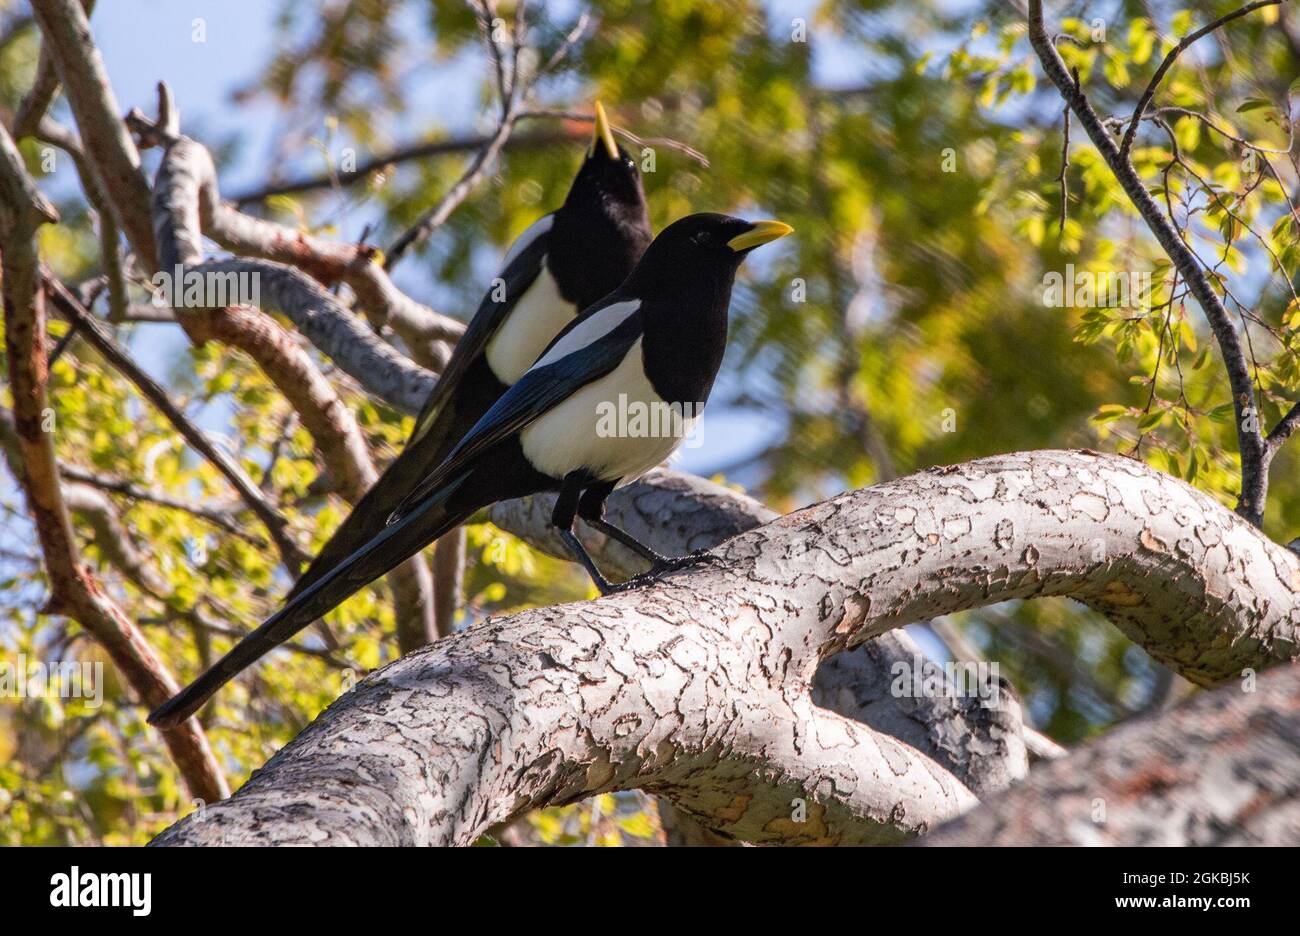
pixel 763 232
pixel 603 134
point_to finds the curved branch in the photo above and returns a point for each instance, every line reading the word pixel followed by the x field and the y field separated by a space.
pixel 185 192
pixel 185 175
pixel 1172 57
pixel 700 687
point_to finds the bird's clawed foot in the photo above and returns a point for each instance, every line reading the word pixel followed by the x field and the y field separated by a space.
pixel 666 564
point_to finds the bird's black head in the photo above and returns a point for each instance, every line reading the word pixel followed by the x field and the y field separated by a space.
pixel 608 181
pixel 603 228
pixel 704 247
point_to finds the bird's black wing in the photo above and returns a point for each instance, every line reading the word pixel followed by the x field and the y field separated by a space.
pixel 439 424
pixel 519 274
pixel 545 385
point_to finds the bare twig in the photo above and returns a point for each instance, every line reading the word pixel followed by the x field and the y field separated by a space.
pixel 220 518
pixel 1254 463
pixel 382 161
pixel 520 90
pixel 32 108
pixel 49 131
pixel 1169 60
pixel 1064 178
pixel 454 196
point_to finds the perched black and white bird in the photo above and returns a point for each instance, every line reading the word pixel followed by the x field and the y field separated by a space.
pixel 655 343
pixel 560 265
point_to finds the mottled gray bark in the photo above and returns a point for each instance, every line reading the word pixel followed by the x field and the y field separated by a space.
pixel 1221 769
pixel 678 513
pixel 700 688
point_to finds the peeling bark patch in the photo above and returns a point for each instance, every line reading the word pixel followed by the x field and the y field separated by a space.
pixel 856 608
pixel 1149 540
pixel 810 832
pixel 1152 780
pixel 1120 595
pixel 1090 505
pixel 954 528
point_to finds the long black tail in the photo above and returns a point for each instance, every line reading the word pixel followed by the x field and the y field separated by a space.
pixel 370 515
pixel 393 545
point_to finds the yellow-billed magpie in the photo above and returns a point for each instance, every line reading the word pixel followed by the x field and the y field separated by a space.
pixel 655 341
pixel 560 265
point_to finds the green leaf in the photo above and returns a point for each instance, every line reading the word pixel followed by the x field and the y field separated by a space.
pixel 1109 413
pixel 1253 103
pixel 1151 420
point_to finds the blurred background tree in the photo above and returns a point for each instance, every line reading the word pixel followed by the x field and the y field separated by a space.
pixel 913 146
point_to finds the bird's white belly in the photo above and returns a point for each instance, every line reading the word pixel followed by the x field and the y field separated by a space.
pixel 529 327
pixel 615 427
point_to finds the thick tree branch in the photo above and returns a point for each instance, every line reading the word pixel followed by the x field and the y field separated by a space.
pixel 186 192
pixel 700 687
pixel 1220 769
pixel 185 174
pixel 425 332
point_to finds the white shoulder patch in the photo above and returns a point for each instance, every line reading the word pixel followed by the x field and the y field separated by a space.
pixel 589 331
pixel 534 231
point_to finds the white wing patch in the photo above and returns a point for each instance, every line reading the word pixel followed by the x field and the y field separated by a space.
pixel 589 331
pixel 528 328
pixel 585 432
pixel 531 233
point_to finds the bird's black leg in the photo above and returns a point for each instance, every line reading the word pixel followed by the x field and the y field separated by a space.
pixel 591 508
pixel 566 509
